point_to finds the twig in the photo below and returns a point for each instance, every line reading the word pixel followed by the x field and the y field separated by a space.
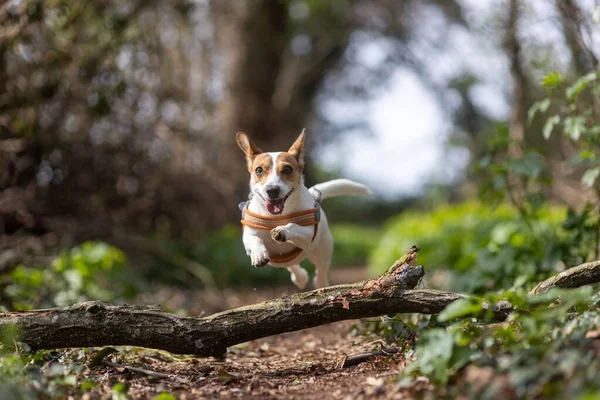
pixel 136 369
pixel 359 358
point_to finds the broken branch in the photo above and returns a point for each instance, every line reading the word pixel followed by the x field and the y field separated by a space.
pixel 94 323
pixel 584 274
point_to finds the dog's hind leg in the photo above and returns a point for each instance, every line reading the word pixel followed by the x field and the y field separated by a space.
pixel 321 258
pixel 299 276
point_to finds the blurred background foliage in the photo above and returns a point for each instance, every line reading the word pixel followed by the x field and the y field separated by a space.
pixel 119 175
pixel 118 163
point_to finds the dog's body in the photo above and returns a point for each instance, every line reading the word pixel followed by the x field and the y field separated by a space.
pixel 278 190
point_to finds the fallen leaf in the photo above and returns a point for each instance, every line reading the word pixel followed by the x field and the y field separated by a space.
pixel 375 382
pixel 264 347
pixel 311 345
pixel 225 377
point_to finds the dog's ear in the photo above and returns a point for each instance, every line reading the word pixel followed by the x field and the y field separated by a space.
pixel 297 149
pixel 250 149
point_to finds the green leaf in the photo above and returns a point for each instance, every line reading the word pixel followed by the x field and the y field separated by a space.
pixel 590 176
pixel 579 86
pixel 434 351
pixel 165 396
pixel 549 126
pixel 70 380
pixel 575 127
pixel 119 391
pixel 459 308
pixel 88 385
pixel 460 358
pixel 541 105
pixel 531 165
pixel 552 80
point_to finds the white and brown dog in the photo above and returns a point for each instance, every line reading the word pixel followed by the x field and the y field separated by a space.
pixel 282 220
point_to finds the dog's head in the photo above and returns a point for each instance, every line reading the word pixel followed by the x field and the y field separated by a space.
pixel 274 177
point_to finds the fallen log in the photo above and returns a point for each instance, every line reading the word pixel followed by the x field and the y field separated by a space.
pixel 94 323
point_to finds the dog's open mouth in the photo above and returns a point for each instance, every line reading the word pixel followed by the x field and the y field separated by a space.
pixel 275 206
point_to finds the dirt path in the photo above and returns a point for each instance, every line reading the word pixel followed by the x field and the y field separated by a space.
pixel 299 365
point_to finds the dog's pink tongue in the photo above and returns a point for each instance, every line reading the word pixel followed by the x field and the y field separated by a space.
pixel 274 206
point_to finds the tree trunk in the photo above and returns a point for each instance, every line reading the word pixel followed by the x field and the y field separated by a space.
pixel 519 105
pixel 572 23
pixel 252 36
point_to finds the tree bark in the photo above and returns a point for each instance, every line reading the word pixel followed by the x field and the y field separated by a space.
pixel 572 22
pixel 252 36
pixel 584 274
pixel 100 324
pixel 519 103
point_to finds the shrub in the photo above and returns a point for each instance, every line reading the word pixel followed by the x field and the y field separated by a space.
pixel 90 271
pixel 483 248
pixel 545 349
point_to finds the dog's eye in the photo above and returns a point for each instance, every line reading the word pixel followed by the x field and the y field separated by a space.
pixel 287 170
pixel 258 171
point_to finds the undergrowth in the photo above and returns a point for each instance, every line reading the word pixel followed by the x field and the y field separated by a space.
pixel 546 347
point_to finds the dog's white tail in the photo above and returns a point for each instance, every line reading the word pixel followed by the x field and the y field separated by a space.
pixel 338 187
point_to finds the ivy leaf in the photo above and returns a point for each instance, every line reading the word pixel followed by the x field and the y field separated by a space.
pixel 590 176
pixel 531 165
pixel 549 126
pixel 541 105
pixel 579 86
pixel 575 127
pixel 434 352
pixel 119 391
pixel 459 308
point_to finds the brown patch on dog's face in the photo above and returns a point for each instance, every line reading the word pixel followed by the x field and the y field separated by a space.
pixel 261 168
pixel 289 168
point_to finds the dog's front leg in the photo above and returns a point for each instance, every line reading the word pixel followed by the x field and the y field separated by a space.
pixel 299 236
pixel 255 248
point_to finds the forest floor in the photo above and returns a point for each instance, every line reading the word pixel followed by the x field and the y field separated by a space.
pixel 300 365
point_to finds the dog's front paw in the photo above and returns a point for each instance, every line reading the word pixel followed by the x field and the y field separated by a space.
pixel 260 258
pixel 278 234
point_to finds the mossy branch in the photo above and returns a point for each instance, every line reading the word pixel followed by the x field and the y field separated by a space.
pixel 584 274
pixel 100 324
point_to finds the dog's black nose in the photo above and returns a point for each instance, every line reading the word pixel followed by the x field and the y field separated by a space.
pixel 273 191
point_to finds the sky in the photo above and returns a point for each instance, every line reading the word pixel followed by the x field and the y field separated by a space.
pixel 408 148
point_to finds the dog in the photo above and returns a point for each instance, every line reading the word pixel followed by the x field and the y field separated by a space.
pixel 282 220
